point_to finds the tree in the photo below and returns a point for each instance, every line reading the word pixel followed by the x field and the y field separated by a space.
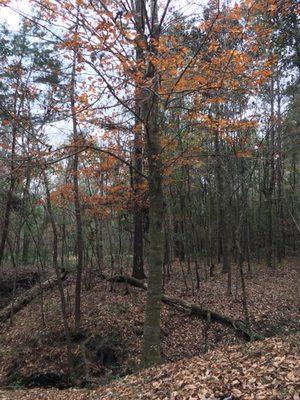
pixel 161 141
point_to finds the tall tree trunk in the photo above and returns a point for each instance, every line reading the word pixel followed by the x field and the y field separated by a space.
pixel 99 243
pixel 9 198
pixel 151 343
pixel 280 172
pixel 138 245
pixel 223 207
pixel 77 207
pixel 269 181
pixel 224 215
pixel 242 213
pixel 59 280
pixel 26 238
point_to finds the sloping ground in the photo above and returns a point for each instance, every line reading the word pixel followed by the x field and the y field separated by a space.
pixel 266 370
pixel 115 318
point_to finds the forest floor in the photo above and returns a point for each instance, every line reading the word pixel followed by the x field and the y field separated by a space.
pixel 33 353
pixel 265 370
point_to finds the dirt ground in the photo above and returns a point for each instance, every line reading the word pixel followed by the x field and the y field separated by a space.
pixel 33 348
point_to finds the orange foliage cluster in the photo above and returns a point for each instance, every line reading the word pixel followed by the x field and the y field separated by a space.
pixel 232 57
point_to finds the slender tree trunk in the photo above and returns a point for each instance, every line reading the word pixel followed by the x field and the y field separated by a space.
pixel 59 280
pixel 26 239
pixel 9 198
pixel 63 241
pixel 138 246
pixel 280 172
pixel 269 184
pixel 223 208
pixel 99 243
pixel 224 214
pixel 242 212
pixel 77 206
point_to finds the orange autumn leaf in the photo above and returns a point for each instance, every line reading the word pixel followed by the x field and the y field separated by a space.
pixel 5 122
pixel 246 154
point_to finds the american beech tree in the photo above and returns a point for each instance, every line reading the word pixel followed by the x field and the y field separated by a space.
pixel 149 96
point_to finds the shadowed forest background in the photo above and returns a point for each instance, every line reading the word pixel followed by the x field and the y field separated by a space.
pixel 149 199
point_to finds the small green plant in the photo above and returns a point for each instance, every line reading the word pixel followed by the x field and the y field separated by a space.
pixel 114 377
pixel 119 309
pixel 16 384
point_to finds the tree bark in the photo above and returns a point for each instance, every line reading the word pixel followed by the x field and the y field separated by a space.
pixel 138 245
pixel 269 182
pixel 151 343
pixel 8 206
pixel 59 279
pixel 222 206
pixel 77 206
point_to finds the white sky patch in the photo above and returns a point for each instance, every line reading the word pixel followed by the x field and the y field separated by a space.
pixel 10 15
pixel 57 132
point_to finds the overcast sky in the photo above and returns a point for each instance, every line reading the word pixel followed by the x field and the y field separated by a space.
pixel 10 17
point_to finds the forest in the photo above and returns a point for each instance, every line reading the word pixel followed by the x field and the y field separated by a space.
pixel 149 199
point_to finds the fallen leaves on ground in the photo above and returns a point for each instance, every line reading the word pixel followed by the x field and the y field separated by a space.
pixel 266 370
pixel 30 347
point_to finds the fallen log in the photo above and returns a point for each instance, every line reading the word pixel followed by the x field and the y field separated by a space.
pixel 193 309
pixel 27 297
